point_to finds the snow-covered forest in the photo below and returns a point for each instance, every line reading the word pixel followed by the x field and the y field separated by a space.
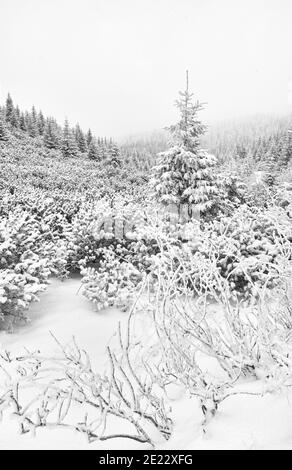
pixel 146 282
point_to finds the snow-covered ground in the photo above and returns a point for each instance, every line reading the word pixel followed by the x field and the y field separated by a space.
pixel 242 422
pixel 65 312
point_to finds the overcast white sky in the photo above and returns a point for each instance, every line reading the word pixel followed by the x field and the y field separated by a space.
pixel 116 65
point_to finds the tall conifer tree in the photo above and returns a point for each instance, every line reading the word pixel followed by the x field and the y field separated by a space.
pixel 89 137
pixel 3 128
pixel 93 150
pixel 32 124
pixel 41 123
pixel 51 137
pixel 9 108
pixel 69 145
pixel 80 139
pixel 184 173
pixel 113 155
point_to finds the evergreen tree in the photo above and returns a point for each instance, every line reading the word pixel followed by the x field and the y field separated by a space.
pixel 14 120
pixel 69 145
pixel 286 151
pixel 102 150
pixel 80 139
pixel 41 123
pixel 89 137
pixel 269 163
pixel 27 120
pixel 22 123
pixel 184 174
pixel 113 155
pixel 51 138
pixel 9 109
pixel 17 114
pixel 271 156
pixel 32 124
pixel 241 151
pixel 258 152
pixel 93 151
pixel 3 128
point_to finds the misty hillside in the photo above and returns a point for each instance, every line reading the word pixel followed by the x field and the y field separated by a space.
pixel 49 156
pixel 252 136
pixel 38 154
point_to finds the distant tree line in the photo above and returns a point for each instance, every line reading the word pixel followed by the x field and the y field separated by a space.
pixel 250 144
pixel 264 141
pixel 71 141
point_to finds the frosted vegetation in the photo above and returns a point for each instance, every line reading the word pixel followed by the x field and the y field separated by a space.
pixel 206 299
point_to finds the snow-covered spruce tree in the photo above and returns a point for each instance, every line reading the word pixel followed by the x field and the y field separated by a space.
pixel 3 128
pixel 51 137
pixel 41 123
pixel 93 150
pixel 113 155
pixel 22 123
pixel 33 129
pixel 286 150
pixel 184 173
pixel 14 120
pixel 69 144
pixel 9 108
pixel 89 137
pixel 270 164
pixel 80 139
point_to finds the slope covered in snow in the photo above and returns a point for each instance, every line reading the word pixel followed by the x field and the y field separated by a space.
pixel 63 311
pixel 243 421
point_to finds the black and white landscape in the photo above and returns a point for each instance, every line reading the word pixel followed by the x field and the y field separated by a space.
pixel 145 270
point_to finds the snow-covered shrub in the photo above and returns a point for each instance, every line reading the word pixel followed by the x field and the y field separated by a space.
pixel 240 251
pixel 115 224
pixel 114 283
pixel 207 348
pixel 124 393
pixel 245 248
pixel 94 227
pixel 30 251
pixel 259 194
pixel 232 193
pixel 283 197
pixel 112 268
pixel 16 293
